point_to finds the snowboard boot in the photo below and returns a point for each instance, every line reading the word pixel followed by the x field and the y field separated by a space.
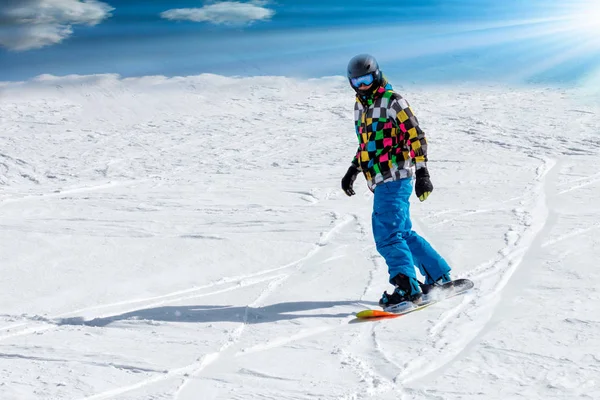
pixel 407 290
pixel 430 283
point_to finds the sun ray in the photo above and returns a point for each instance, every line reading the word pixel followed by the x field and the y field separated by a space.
pixel 581 17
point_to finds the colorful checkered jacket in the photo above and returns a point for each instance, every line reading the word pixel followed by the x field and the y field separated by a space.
pixel 390 141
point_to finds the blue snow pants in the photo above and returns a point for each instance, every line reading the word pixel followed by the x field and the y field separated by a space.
pixel 400 246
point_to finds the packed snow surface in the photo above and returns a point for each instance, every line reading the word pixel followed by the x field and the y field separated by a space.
pixel 187 238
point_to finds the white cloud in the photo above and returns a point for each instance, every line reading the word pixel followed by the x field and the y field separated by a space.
pixel 226 13
pixel 31 24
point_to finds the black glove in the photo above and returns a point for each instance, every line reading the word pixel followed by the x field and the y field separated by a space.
pixel 348 180
pixel 423 186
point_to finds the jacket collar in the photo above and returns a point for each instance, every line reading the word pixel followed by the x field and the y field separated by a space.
pixel 376 93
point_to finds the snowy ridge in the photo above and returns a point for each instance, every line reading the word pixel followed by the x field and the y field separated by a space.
pixel 170 237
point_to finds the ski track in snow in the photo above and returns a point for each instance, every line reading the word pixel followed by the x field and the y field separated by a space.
pixel 281 341
pixel 446 348
pixel 193 370
pixel 62 192
pixel 324 240
pixel 504 267
pixel 232 339
pixel 581 183
pixel 128 306
pixel 570 235
pixel 108 310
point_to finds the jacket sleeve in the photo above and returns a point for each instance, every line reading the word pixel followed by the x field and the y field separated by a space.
pixel 413 134
pixel 355 160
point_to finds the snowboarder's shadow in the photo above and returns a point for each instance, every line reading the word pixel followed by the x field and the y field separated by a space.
pixel 210 313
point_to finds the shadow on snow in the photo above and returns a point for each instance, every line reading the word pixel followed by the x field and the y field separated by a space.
pixel 207 313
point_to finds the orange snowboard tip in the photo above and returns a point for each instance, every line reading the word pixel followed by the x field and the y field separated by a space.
pixel 374 314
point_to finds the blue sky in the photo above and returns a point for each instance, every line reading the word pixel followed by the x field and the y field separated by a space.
pixel 528 41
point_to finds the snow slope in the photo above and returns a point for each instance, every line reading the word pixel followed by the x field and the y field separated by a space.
pixel 186 238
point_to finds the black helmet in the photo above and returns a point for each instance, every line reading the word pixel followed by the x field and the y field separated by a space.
pixel 364 64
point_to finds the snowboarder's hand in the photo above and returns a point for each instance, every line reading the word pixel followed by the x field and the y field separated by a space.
pixel 423 186
pixel 348 180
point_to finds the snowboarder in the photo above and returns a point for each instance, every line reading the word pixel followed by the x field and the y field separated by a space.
pixel 390 144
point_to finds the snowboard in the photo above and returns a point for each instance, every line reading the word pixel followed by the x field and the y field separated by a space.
pixel 435 295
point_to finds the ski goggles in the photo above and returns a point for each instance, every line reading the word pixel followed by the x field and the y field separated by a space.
pixel 362 80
